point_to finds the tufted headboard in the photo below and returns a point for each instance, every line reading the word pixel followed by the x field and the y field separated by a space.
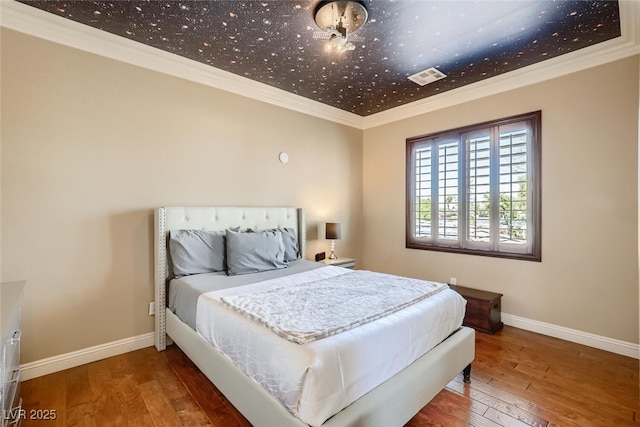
pixel 211 218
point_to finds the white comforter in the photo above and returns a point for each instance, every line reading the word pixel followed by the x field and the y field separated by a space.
pixel 318 379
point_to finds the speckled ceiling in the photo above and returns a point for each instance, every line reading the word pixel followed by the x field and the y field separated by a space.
pixel 273 41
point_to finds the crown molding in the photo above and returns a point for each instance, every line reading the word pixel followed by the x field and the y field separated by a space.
pixel 628 44
pixel 29 20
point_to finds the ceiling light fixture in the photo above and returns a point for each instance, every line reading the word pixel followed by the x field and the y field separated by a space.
pixel 338 19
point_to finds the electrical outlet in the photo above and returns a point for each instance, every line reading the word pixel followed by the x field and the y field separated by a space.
pixel 152 308
pixel 453 281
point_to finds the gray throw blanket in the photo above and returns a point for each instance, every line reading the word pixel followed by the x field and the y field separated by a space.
pixel 309 311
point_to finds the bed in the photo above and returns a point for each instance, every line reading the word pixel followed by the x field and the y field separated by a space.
pixel 391 402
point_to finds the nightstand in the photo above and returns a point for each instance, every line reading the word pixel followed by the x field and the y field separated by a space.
pixel 340 262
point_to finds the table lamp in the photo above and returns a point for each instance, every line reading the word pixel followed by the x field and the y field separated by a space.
pixel 333 233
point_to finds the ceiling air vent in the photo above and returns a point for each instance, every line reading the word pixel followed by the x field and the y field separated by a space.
pixel 427 76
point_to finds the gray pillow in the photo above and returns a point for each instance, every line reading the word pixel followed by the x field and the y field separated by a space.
pixel 290 240
pixel 254 252
pixel 196 251
pixel 290 244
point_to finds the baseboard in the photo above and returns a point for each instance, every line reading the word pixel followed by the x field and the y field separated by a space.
pixel 603 343
pixel 69 360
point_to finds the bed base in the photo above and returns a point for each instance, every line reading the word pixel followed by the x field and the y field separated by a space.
pixel 393 403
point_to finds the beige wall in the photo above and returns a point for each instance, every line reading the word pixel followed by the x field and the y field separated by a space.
pixel 588 277
pixel 0 159
pixel 90 146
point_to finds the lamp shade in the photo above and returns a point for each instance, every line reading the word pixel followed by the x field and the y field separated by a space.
pixel 333 231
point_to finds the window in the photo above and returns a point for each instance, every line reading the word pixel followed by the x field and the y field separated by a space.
pixel 476 190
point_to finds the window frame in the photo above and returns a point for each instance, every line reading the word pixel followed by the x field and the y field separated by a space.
pixel 533 250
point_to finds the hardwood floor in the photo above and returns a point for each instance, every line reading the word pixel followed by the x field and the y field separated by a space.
pixel 519 378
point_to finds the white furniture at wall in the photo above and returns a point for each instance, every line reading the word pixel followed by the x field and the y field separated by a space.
pixel 340 262
pixel 10 300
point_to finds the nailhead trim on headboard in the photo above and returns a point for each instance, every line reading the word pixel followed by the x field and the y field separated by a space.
pixel 212 218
